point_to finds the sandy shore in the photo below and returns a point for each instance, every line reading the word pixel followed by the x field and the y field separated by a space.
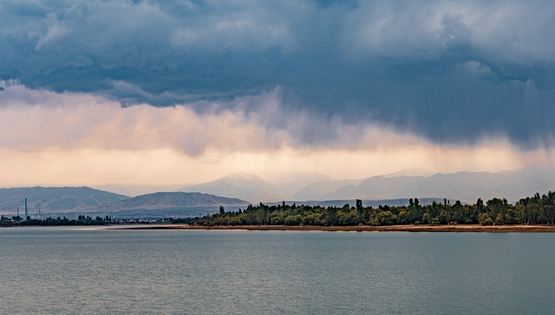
pixel 389 228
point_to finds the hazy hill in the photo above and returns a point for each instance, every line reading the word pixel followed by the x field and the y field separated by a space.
pixel 316 190
pixel 464 186
pixel 238 185
pixel 171 200
pixel 290 183
pixel 255 189
pixel 53 199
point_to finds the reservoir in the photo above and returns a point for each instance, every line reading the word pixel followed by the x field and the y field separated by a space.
pixel 65 270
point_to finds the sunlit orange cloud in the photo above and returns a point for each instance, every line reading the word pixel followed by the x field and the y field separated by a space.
pixel 56 139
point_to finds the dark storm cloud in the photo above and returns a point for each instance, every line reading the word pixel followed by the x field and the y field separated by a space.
pixel 452 71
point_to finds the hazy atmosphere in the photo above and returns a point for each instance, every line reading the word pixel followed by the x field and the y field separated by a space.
pixel 161 94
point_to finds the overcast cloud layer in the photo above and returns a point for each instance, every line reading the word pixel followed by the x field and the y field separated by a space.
pixel 77 138
pixel 453 72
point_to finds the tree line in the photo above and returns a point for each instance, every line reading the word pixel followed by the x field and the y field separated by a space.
pixel 50 221
pixel 530 210
pixel 6 221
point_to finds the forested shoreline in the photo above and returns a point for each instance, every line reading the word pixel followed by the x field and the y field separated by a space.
pixel 81 220
pixel 535 210
pixel 531 210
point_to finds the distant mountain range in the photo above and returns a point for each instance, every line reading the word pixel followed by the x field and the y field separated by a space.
pixel 85 200
pixel 315 191
pixel 239 185
pixel 252 188
pixel 49 199
pixel 238 190
pixel 464 186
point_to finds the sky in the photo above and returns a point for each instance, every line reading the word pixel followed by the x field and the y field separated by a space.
pixel 162 94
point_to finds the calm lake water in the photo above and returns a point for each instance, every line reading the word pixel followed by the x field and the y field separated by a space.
pixel 79 271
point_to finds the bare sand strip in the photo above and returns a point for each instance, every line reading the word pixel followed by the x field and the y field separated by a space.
pixel 362 228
